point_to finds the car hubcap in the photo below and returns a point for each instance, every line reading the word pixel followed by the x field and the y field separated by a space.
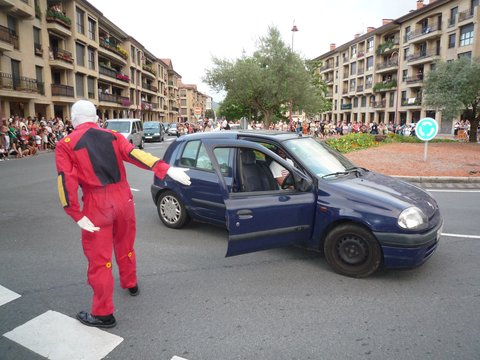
pixel 170 209
pixel 352 250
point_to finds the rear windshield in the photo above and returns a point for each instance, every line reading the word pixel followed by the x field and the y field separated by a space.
pixel 118 126
pixel 151 126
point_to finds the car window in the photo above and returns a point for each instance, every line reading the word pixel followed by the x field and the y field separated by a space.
pixel 195 156
pixel 119 126
pixel 223 158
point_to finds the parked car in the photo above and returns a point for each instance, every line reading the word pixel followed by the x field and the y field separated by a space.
pixel 359 219
pixel 172 130
pixel 153 131
pixel 132 129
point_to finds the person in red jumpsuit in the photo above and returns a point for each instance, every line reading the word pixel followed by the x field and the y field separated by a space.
pixel 92 158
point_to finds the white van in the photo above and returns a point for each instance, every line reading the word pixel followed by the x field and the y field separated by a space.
pixel 132 129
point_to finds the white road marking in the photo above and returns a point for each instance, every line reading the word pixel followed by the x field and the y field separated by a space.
pixel 133 189
pixel 7 295
pixel 177 358
pixel 453 191
pixel 461 236
pixel 57 336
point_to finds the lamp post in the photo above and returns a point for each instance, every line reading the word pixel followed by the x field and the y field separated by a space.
pixel 294 30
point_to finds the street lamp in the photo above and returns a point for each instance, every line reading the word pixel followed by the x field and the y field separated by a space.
pixel 294 30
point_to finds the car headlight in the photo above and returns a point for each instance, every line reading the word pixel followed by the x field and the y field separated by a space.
pixel 412 218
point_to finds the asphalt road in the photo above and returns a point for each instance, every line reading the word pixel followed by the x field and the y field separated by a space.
pixel 198 305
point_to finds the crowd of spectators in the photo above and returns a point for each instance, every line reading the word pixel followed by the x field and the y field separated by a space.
pixel 21 137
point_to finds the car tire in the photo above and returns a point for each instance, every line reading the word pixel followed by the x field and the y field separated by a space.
pixel 142 144
pixel 352 250
pixel 171 210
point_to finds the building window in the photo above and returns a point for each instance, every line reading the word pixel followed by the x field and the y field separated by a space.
pixel 37 42
pixel 91 87
pixel 370 44
pixel 466 35
pixel 453 17
pixel 465 54
pixel 406 53
pixel 92 29
pixel 132 54
pixel 354 51
pixel 79 85
pixel 91 58
pixel 451 40
pixel 80 20
pixel 404 75
pixel 80 51
pixel 355 102
pixel 369 63
pixel 353 69
pixel 364 101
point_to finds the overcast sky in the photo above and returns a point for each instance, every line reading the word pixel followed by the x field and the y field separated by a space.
pixel 190 32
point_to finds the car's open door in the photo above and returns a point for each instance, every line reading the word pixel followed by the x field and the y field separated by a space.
pixel 259 220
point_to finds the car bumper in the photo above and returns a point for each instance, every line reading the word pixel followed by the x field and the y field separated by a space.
pixel 149 138
pixel 408 250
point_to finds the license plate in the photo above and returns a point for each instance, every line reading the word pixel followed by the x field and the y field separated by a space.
pixel 148 137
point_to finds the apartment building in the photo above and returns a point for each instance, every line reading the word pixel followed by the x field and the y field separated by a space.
pixel 190 100
pixel 55 52
pixel 378 76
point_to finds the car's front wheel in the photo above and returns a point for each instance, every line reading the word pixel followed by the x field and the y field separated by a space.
pixel 352 250
pixel 171 210
pixel 142 144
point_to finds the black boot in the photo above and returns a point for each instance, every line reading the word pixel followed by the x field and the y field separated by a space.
pixel 107 321
pixel 134 291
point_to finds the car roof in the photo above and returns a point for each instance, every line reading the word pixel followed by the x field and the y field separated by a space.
pixel 129 120
pixel 232 134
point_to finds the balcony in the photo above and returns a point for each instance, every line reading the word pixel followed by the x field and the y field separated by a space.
pixel 326 68
pixel 149 68
pixel 112 73
pixel 412 80
pixel 387 65
pixel 416 101
pixel 58 22
pixel 114 50
pixel 116 99
pixel 150 87
pixel 360 88
pixel 422 57
pixel 61 58
pixel 62 90
pixel 388 46
pixel 21 83
pixel 424 33
pixel 465 15
pixel 385 86
pixel 379 104
pixel 20 9
pixel 8 41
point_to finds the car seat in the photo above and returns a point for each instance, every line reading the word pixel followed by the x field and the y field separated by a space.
pixel 255 176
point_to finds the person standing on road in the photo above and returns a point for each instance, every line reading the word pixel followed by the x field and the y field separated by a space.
pixel 92 158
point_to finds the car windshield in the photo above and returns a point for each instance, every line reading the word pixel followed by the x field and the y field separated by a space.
pixel 150 126
pixel 317 157
pixel 119 126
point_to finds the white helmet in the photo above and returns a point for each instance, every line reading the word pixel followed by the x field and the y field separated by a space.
pixel 83 111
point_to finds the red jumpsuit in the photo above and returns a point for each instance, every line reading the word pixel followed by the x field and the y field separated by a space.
pixel 93 157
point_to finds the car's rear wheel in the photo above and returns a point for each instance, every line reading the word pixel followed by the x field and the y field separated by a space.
pixel 352 250
pixel 142 144
pixel 171 210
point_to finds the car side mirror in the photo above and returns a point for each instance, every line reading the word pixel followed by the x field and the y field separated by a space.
pixel 303 184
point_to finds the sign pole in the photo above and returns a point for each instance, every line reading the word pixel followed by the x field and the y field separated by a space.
pixel 426 130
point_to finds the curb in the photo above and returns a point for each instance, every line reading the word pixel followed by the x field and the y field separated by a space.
pixel 439 179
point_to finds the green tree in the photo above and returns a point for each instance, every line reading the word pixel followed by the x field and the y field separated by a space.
pixel 264 84
pixel 209 113
pixel 453 88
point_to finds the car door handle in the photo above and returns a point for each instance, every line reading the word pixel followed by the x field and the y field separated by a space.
pixel 244 214
pixel 284 198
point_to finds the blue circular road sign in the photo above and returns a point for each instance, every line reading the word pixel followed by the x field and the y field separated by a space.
pixel 426 129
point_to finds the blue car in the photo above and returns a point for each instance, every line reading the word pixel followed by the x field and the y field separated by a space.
pixel 359 219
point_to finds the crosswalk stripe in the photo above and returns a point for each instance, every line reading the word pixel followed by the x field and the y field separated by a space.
pixel 7 295
pixel 177 358
pixel 57 336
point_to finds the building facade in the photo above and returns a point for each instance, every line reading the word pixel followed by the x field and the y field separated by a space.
pixel 378 76
pixel 55 52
